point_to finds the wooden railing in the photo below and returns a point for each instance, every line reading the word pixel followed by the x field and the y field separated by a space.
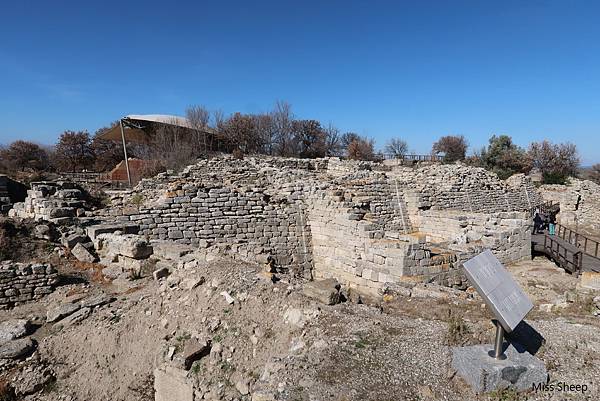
pixel 419 158
pixel 587 245
pixel 100 180
pixel 544 208
pixel 560 254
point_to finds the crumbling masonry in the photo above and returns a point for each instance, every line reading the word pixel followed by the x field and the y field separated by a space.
pixel 365 224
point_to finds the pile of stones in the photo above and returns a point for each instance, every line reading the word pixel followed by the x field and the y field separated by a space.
pixel 57 202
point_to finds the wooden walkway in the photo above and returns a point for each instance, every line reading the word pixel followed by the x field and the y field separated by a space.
pixel 569 254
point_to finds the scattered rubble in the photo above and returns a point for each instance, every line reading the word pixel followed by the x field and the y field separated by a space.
pixel 245 280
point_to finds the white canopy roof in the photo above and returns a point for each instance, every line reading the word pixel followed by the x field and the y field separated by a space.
pixel 162 119
pixel 134 134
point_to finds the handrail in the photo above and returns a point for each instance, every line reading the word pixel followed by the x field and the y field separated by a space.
pixel 579 240
pixel 543 207
pixel 412 157
pixel 560 254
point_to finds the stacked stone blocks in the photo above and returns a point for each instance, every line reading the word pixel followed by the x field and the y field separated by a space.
pixel 20 282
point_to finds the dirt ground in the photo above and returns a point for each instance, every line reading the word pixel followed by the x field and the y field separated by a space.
pixel 291 347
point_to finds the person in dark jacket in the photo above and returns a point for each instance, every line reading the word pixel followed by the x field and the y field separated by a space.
pixel 537 223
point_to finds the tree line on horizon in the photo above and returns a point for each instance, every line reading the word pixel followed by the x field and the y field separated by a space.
pixel 277 133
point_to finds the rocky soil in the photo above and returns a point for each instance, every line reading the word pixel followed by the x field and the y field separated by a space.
pixel 245 337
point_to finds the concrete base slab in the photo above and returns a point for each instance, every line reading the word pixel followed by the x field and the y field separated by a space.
pixel 520 370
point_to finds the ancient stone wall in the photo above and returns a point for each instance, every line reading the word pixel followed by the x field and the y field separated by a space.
pixel 579 203
pixel 471 189
pixel 21 282
pixel 253 207
pixel 245 220
pixel 10 192
pixel 360 254
pixel 50 201
pixel 507 234
pixel 364 223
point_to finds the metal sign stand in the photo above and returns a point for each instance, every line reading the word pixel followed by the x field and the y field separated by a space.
pixel 498 343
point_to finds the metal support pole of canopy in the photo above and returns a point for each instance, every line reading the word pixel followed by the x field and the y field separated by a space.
pixel 125 153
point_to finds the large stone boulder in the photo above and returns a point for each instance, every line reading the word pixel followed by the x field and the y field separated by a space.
pixel 16 348
pixel 13 329
pixel 135 247
pixel 129 245
pixel 125 228
pixel 325 291
pixel 61 311
pixel 82 254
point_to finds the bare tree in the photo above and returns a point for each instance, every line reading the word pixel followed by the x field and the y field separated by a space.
pixel 218 125
pixel 282 119
pixel 199 118
pixel 265 129
pixel 241 133
pixel 310 138
pixel 169 148
pixel 333 141
pixel 454 147
pixel 396 147
pixel 348 138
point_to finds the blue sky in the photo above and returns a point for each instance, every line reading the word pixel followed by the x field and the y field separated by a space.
pixel 417 70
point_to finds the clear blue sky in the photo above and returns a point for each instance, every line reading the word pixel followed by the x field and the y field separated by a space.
pixel 414 69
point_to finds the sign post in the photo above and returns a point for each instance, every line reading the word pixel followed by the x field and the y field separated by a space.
pixel 484 369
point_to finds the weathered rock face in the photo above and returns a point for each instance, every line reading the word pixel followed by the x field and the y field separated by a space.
pixel 21 282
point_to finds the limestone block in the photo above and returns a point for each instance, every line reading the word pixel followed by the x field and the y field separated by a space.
pixel 325 291
pixel 519 371
pixel 82 254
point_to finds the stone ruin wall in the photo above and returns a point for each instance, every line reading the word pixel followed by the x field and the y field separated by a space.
pixel 360 222
pixel 20 282
pixel 579 203
pixel 507 234
pixel 253 210
pixel 364 223
pixel 51 201
pixel 469 189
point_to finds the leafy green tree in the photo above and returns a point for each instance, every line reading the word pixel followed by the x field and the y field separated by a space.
pixel 504 158
pixel 556 162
